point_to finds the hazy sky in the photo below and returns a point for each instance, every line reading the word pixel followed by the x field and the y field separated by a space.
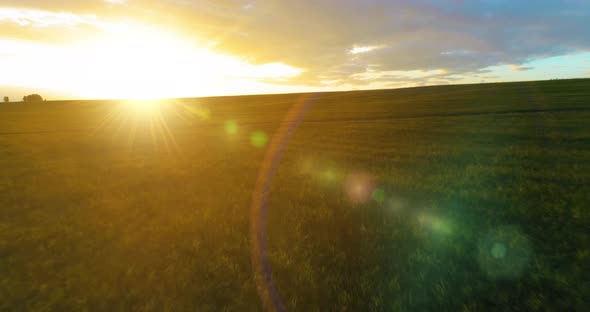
pixel 183 48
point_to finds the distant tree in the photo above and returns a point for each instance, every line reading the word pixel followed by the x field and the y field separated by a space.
pixel 33 98
pixel 6 99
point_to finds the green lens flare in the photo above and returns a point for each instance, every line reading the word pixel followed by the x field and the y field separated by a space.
pixel 379 195
pixel 498 250
pixel 504 253
pixel 259 139
pixel 231 127
pixel 328 175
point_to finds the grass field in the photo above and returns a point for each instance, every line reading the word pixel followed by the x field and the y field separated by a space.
pixel 450 198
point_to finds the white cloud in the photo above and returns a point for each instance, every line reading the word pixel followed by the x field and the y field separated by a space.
pixel 363 49
pixel 38 18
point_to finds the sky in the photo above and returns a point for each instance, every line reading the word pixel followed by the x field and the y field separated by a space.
pixel 99 49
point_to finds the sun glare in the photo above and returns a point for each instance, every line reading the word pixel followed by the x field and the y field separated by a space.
pixel 132 60
pixel 148 63
pixel 152 63
pixel 143 107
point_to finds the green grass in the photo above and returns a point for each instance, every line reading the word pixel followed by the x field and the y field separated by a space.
pixel 482 202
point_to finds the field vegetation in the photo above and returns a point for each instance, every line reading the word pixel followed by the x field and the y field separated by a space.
pixel 450 198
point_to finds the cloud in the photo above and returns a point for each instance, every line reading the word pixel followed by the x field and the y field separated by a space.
pixel 39 18
pixel 338 41
pixel 360 49
pixel 460 36
pixel 132 60
pixel 49 26
pixel 520 68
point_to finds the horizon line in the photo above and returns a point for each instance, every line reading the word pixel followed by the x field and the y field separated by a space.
pixel 309 92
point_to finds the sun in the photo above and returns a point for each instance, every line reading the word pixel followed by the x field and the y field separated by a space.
pixel 144 107
pixel 138 60
pixel 132 61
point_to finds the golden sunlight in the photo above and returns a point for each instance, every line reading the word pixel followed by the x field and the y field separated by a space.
pixel 143 107
pixel 152 63
pixel 136 61
pixel 148 63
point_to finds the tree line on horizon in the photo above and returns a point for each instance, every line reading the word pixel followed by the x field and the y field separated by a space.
pixel 31 98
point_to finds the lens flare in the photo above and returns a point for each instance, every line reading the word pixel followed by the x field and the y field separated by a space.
pixel 359 187
pixel 141 122
pixel 498 250
pixel 259 139
pixel 435 224
pixel 328 175
pixel 379 195
pixel 262 273
pixel 504 253
pixel 231 127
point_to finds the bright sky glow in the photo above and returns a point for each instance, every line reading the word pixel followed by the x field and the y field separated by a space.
pixel 131 61
pixel 170 48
